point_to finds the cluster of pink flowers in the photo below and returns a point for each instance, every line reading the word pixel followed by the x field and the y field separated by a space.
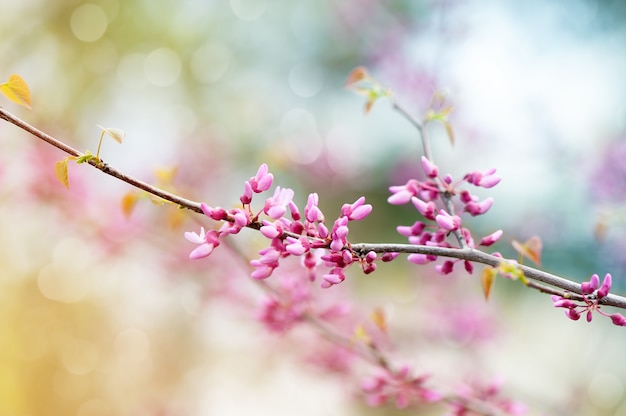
pixel 400 386
pixel 592 293
pixel 426 195
pixel 289 235
pixel 469 395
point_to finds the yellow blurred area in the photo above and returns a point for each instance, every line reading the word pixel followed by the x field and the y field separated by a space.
pixel 70 348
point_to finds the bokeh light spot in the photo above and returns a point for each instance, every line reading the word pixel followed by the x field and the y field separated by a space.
pixel 162 67
pixel 130 70
pixel 94 407
pixel 102 57
pixel 88 22
pixel 132 347
pixel 302 140
pixel 248 9
pixel 210 62
pixel 306 80
pixel 78 356
pixel 606 390
pixel 58 283
pixel 69 386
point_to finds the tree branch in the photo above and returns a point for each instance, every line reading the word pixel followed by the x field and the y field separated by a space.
pixel 572 289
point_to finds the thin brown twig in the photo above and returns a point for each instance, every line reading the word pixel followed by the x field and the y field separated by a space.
pixel 571 289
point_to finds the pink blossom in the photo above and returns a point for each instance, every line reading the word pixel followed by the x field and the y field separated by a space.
pixel 312 213
pixel 387 257
pixel 591 286
pixel 419 258
pixel 339 234
pixel 430 168
pixel 276 206
pixel 297 247
pixel 491 238
pixel 486 179
pixel 261 271
pixel 206 243
pixel 427 209
pixel 246 197
pixel 618 319
pixel 217 214
pixel 402 194
pixel 589 303
pixel 271 230
pixel 447 221
pixel 262 181
pixel 489 395
pixel 335 277
pixel 446 268
pixel 356 211
pixel 478 208
pixel 282 310
pixel 400 386
pixel 606 286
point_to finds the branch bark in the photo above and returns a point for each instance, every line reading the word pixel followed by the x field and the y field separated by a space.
pixel 569 287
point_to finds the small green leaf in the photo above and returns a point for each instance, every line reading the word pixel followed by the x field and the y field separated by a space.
pixel 85 158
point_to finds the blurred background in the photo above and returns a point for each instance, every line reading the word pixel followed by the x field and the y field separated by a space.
pixel 103 314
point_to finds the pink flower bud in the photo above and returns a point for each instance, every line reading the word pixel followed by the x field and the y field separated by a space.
pixel 572 314
pixel 491 238
pixel 427 209
pixel 466 197
pixel 263 179
pixel 430 168
pixel 419 258
pixel 445 268
pixel 357 211
pixel 311 211
pixel 606 286
pixel 618 319
pixel 400 197
pixel 270 230
pixel 447 221
pixel 217 214
pixel 262 272
pixel 386 257
pixel 589 287
pixel 478 208
pixel 489 181
pixel 246 197
pixel 335 277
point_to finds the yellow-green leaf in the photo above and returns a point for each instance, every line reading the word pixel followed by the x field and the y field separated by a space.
pixel 166 175
pixel 356 75
pixel 60 170
pixel 128 203
pixel 449 131
pixel 379 319
pixel 531 249
pixel 487 278
pixel 360 334
pixel 117 134
pixel 16 90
